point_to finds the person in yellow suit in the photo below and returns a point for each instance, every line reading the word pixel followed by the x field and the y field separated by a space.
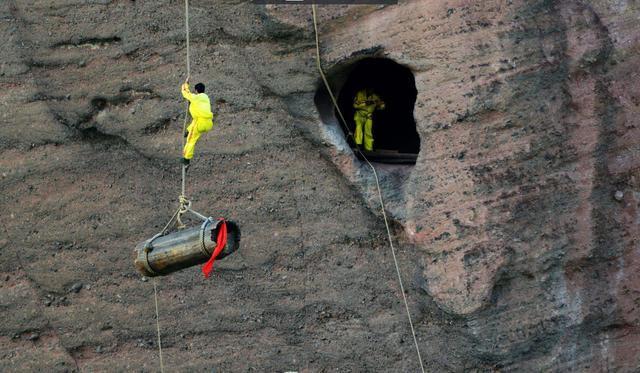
pixel 202 119
pixel 365 103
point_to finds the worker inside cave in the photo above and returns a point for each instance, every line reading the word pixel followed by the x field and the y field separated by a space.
pixel 202 119
pixel 366 102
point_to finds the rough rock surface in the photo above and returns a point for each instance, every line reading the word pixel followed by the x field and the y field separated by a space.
pixel 517 228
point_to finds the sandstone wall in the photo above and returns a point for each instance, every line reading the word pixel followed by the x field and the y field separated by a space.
pixel 518 226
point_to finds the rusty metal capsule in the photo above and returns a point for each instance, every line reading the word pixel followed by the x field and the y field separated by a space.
pixel 178 250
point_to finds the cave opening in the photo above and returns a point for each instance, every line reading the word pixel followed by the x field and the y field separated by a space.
pixel 395 138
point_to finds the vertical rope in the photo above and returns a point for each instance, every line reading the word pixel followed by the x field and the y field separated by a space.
pixel 183 184
pixel 184 124
pixel 186 25
pixel 375 174
pixel 155 294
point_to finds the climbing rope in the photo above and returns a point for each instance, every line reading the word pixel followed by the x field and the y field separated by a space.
pixel 375 174
pixel 155 293
pixel 184 203
pixel 186 112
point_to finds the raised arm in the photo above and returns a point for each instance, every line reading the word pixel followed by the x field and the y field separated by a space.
pixel 186 93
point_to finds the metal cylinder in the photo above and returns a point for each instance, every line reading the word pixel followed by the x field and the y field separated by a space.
pixel 178 250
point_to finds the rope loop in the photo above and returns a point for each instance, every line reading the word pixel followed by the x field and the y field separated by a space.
pixel 185 204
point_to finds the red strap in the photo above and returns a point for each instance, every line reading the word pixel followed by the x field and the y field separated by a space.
pixel 221 242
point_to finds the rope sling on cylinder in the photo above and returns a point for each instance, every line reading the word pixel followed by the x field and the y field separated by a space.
pixel 375 174
pixel 162 255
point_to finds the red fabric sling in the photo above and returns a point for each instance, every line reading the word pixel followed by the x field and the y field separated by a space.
pixel 221 242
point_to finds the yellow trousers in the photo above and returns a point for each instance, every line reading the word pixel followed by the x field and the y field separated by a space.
pixel 364 129
pixel 195 129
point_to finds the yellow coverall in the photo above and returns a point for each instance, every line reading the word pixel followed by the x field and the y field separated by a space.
pixel 202 118
pixel 365 104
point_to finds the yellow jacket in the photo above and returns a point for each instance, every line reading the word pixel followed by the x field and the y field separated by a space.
pixel 199 108
pixel 367 102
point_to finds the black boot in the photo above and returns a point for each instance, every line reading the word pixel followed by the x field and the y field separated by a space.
pixel 185 162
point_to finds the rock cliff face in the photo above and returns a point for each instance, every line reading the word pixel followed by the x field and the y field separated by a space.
pixel 517 227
